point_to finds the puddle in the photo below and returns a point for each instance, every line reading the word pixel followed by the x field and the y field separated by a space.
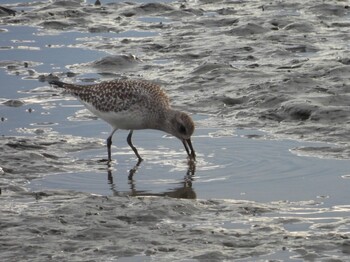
pixel 227 167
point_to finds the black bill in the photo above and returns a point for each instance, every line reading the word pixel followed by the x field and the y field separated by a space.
pixel 188 146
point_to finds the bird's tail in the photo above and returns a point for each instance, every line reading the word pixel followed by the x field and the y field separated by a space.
pixel 57 83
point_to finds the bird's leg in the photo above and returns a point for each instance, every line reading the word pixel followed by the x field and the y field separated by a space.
pixel 132 146
pixel 109 144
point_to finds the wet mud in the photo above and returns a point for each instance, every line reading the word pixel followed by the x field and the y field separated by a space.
pixel 278 67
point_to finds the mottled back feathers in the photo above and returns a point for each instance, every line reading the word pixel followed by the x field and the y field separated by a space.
pixel 120 95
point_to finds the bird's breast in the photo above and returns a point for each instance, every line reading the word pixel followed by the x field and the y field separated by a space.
pixel 131 119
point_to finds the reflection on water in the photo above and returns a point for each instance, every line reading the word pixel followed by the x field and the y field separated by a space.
pixel 183 190
pixel 227 167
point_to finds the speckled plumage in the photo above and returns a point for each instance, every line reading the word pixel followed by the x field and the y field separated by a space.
pixel 121 95
pixel 133 105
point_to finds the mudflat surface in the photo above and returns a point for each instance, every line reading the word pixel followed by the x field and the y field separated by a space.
pixel 267 85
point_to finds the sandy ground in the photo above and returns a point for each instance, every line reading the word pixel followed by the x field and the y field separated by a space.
pixel 281 67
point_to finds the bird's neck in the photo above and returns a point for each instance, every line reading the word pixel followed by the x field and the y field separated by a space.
pixel 163 121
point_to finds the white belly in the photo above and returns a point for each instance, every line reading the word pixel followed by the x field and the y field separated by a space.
pixel 129 120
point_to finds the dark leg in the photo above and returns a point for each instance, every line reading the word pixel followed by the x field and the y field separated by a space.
pixel 109 144
pixel 132 146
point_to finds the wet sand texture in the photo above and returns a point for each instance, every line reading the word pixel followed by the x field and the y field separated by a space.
pixel 82 227
pixel 279 66
pixel 283 67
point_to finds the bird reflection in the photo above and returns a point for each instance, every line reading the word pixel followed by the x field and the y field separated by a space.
pixel 183 190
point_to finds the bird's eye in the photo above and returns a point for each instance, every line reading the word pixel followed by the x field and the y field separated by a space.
pixel 182 129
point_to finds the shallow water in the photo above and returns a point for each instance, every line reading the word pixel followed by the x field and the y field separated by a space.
pixel 230 167
pixel 259 195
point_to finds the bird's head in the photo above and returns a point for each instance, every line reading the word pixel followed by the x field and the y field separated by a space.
pixel 181 126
